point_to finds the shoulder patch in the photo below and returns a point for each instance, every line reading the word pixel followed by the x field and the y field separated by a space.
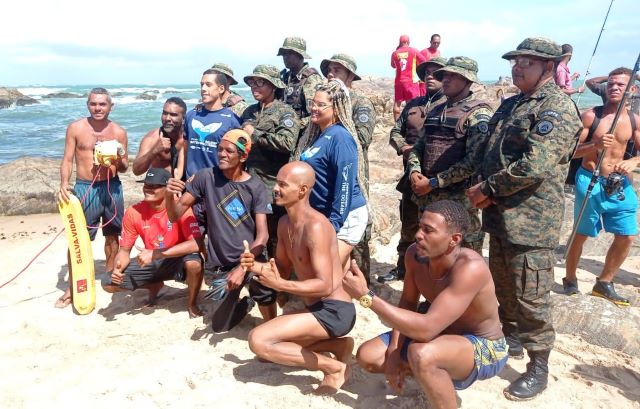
pixel 550 113
pixel 544 127
pixel 483 127
pixel 288 122
pixel 363 117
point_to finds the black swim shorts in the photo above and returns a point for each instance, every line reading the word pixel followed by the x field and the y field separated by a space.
pixel 337 317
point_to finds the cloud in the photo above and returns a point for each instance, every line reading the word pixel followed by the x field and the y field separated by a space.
pixel 169 42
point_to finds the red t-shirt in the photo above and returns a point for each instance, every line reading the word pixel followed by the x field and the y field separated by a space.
pixel 154 227
pixel 429 53
pixel 405 60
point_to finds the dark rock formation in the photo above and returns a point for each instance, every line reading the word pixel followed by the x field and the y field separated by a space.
pixel 148 96
pixel 62 95
pixel 11 96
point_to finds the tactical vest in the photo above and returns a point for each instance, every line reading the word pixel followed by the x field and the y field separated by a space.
pixel 445 139
pixel 293 93
pixel 416 116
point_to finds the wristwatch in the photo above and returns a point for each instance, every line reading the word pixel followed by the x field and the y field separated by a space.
pixel 367 299
pixel 434 183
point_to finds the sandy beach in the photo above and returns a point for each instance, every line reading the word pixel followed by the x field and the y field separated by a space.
pixel 126 355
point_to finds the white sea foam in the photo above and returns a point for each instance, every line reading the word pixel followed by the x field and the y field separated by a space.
pixel 39 91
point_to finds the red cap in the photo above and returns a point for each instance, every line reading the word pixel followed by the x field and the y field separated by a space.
pixel 404 39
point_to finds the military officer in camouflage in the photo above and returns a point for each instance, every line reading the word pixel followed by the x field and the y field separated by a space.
pixel 343 67
pixel 402 138
pixel 445 158
pixel 274 129
pixel 533 135
pixel 230 99
pixel 300 79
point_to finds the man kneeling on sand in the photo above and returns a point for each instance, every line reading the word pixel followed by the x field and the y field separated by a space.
pixel 170 250
pixel 458 340
pixel 307 243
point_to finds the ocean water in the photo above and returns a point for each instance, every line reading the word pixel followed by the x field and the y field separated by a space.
pixel 39 129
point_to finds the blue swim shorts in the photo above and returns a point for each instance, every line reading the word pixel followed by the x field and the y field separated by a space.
pixel 617 216
pixel 99 207
pixel 490 357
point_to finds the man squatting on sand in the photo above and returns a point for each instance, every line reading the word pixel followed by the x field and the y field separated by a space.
pixel 307 243
pixel 170 250
pixel 97 184
pixel 458 339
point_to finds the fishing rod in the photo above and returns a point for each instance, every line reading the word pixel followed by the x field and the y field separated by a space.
pixel 596 172
pixel 586 74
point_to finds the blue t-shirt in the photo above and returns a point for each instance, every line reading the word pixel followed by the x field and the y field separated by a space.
pixel 334 158
pixel 203 130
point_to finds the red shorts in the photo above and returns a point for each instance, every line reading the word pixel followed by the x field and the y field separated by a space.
pixel 406 91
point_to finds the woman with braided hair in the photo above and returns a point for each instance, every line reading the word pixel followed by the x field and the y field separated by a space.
pixel 329 146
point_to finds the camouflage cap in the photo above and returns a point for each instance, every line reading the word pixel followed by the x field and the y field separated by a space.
pixel 345 60
pixel 223 68
pixel 268 72
pixel 440 61
pixel 296 44
pixel 537 47
pixel 464 66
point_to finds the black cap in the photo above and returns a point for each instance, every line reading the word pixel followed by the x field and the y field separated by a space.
pixel 156 176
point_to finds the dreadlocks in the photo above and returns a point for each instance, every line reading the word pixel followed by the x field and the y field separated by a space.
pixel 342 111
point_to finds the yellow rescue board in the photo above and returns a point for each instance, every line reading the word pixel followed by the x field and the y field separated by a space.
pixel 83 285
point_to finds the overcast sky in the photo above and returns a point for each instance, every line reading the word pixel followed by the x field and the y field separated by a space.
pixel 172 42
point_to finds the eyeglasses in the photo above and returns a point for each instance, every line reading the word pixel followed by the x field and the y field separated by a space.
pixel 256 82
pixel 522 62
pixel 319 105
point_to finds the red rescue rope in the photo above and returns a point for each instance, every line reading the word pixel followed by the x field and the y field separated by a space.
pixel 115 213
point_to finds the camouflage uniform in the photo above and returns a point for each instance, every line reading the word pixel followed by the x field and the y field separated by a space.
pixel 364 119
pixel 300 88
pixel 444 157
pixel 524 167
pixel 274 139
pixel 235 102
pixel 402 134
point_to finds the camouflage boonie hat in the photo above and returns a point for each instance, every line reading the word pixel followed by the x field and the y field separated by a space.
pixel 345 60
pixel 441 61
pixel 296 44
pixel 223 68
pixel 465 66
pixel 537 47
pixel 268 72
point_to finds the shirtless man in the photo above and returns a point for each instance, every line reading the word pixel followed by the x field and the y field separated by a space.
pixel 458 340
pixel 98 186
pixel 164 147
pixel 612 206
pixel 307 243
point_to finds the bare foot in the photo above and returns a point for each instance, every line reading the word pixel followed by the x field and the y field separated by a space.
pixel 333 381
pixel 194 311
pixel 154 289
pixel 64 300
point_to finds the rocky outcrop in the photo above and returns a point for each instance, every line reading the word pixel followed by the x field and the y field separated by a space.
pixel 11 96
pixel 148 96
pixel 30 185
pixel 62 95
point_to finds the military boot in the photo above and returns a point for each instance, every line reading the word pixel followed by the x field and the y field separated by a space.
pixel 533 381
pixel 515 347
